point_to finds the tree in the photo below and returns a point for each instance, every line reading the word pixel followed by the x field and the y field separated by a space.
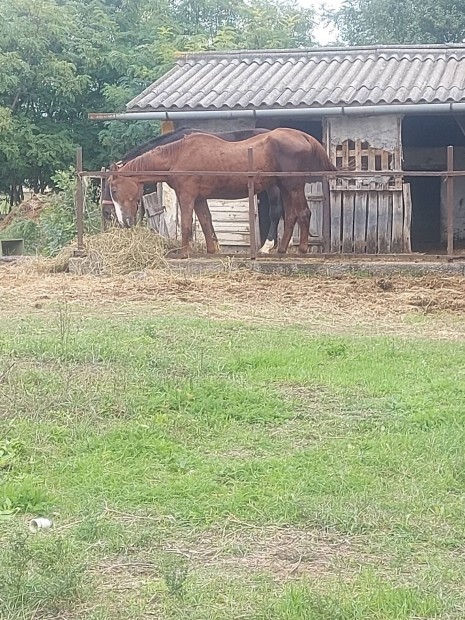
pixel 49 60
pixel 364 22
pixel 60 59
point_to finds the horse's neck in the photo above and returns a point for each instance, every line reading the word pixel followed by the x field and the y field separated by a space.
pixel 151 161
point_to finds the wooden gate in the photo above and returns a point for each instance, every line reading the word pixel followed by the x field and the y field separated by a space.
pixel 369 215
pixel 155 212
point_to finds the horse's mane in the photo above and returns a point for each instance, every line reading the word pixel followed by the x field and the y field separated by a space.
pixel 142 162
pixel 178 134
pixel 154 143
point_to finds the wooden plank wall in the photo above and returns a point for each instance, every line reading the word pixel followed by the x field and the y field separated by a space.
pixel 372 222
pixel 358 155
pixel 230 220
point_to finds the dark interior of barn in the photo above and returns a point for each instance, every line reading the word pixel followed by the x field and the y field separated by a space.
pixel 425 140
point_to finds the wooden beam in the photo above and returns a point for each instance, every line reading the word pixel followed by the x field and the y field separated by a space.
pixel 252 231
pixel 450 201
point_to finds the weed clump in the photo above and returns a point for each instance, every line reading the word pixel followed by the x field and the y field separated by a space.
pixel 39 574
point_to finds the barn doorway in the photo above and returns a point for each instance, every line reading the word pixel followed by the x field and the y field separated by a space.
pixel 425 140
pixel 313 128
pixel 426 213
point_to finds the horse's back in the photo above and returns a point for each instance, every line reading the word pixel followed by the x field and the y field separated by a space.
pixel 280 149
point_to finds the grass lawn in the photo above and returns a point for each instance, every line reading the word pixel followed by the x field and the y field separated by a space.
pixel 211 469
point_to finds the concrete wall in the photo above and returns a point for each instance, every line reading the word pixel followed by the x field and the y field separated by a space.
pixel 381 132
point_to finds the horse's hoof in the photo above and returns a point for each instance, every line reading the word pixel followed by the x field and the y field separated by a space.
pixel 267 246
pixel 303 252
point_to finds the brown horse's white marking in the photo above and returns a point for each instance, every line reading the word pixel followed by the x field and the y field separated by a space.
pixel 266 247
pixel 280 150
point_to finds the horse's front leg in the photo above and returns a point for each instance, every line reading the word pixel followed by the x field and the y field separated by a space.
pixel 205 218
pixel 186 206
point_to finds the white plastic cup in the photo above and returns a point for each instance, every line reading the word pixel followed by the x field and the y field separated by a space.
pixel 40 523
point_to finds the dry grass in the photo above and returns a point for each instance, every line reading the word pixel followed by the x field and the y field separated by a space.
pixel 407 305
pixel 280 551
pixel 136 261
pixel 120 251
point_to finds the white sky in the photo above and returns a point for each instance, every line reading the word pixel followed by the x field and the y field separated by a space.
pixel 323 34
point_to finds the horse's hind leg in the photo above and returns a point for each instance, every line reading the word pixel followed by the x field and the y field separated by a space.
pixel 290 218
pixel 205 218
pixel 295 210
pixel 276 212
pixel 303 218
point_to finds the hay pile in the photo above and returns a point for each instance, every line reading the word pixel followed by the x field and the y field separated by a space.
pixel 120 251
pixel 27 210
pixel 117 251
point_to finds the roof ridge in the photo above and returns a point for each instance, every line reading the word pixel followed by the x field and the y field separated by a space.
pixel 324 50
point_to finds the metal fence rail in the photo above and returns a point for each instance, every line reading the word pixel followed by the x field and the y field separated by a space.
pixel 447 176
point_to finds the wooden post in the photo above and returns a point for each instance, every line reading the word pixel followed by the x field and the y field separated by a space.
pixel 103 222
pixel 326 227
pixel 252 231
pixel 79 202
pixel 450 202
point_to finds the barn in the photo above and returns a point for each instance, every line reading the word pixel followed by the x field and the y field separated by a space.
pixel 379 108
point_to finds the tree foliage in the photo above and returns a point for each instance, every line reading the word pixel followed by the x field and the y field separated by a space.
pixel 364 22
pixel 60 59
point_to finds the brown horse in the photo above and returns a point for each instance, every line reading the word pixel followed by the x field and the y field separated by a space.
pixel 269 202
pixel 280 150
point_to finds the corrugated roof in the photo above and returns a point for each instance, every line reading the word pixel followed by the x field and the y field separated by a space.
pixel 309 78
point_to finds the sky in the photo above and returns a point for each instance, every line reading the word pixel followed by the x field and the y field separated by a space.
pixel 323 34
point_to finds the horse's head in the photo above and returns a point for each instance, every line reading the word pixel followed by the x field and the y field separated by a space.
pixel 125 195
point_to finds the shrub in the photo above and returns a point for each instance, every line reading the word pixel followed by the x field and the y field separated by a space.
pixel 56 225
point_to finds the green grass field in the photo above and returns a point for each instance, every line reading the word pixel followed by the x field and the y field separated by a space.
pixel 205 469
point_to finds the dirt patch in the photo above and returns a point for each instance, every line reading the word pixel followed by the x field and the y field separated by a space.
pixel 281 552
